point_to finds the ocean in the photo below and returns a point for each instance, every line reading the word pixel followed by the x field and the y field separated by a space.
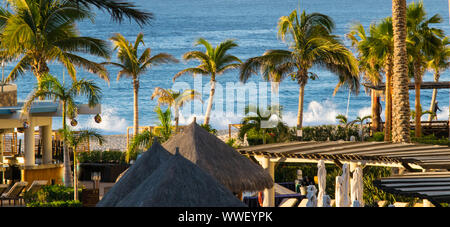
pixel 252 24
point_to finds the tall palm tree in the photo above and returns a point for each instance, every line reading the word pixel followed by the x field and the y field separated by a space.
pixel 438 63
pixel 213 62
pixel 175 99
pixel 424 42
pixel 311 44
pixel 134 66
pixel 118 9
pixel 51 88
pixel 375 55
pixel 40 31
pixel 73 140
pixel 400 95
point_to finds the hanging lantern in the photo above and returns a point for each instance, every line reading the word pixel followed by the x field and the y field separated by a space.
pixel 73 122
pixel 25 124
pixel 97 118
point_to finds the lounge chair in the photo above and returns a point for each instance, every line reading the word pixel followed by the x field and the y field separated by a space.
pixel 14 192
pixel 3 188
pixel 400 204
pixel 288 202
pixel 303 202
pixel 36 185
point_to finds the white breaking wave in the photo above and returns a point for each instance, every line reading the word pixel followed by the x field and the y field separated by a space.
pixel 111 121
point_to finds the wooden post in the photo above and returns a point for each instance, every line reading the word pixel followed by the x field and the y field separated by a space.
pixel 269 194
pixel 29 158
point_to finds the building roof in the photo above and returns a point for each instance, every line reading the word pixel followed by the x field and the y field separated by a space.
pixel 408 155
pixel 180 183
pixel 136 174
pixel 48 108
pixel 434 186
pixel 235 171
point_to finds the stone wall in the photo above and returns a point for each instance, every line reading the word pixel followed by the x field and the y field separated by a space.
pixel 8 95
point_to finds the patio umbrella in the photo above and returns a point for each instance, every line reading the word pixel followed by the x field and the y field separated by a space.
pixel 322 180
pixel 136 174
pixel 311 195
pixel 235 171
pixel 357 187
pixel 339 192
pixel 346 185
pixel 180 183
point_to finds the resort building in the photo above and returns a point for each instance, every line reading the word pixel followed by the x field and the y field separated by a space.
pixel 37 135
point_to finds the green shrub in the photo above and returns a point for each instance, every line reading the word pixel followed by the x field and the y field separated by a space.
pixel 102 157
pixel 71 203
pixel 377 136
pixel 209 128
pixel 48 194
pixel 331 132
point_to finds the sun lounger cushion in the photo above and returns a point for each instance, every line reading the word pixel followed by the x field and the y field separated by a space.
pixel 288 202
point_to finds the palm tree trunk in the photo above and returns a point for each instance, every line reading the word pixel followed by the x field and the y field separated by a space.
pixel 400 110
pixel 75 174
pixel 210 102
pixel 301 94
pixel 67 170
pixel 375 111
pixel 417 126
pixel 136 106
pixel 177 113
pixel 433 96
pixel 388 108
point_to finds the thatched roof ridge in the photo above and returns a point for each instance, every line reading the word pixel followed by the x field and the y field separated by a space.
pixel 136 174
pixel 229 167
pixel 180 183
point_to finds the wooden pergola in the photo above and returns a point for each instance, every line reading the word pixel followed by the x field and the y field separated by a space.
pixel 409 156
pixel 433 186
pixel 424 85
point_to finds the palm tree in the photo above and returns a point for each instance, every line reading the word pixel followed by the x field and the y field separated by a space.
pixel 361 120
pixel 175 99
pixel 133 66
pixel 424 43
pixel 34 43
pixel 213 62
pixel 400 81
pixel 118 10
pixel 439 63
pixel 375 54
pixel 259 120
pixel 370 66
pixel 311 44
pixel 51 88
pixel 165 123
pixel 342 119
pixel 73 140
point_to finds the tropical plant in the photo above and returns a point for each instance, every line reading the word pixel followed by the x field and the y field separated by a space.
pixel 342 119
pixel 375 53
pixel 118 9
pixel 134 66
pixel 37 32
pixel 165 123
pixel 213 62
pixel 414 115
pixel 73 140
pixel 424 43
pixel 260 120
pixel 311 44
pixel 175 99
pixel 51 88
pixel 143 139
pixel 361 120
pixel 438 63
pixel 400 81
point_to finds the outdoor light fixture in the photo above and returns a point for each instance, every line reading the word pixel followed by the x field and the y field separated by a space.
pixel 73 122
pixel 97 118
pixel 25 124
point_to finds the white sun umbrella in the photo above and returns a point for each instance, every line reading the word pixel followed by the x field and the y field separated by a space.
pixel 339 192
pixel 311 196
pixel 346 185
pixel 322 180
pixel 357 188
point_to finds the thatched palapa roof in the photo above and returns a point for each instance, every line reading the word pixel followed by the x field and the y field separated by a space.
pixel 136 174
pixel 224 163
pixel 180 183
